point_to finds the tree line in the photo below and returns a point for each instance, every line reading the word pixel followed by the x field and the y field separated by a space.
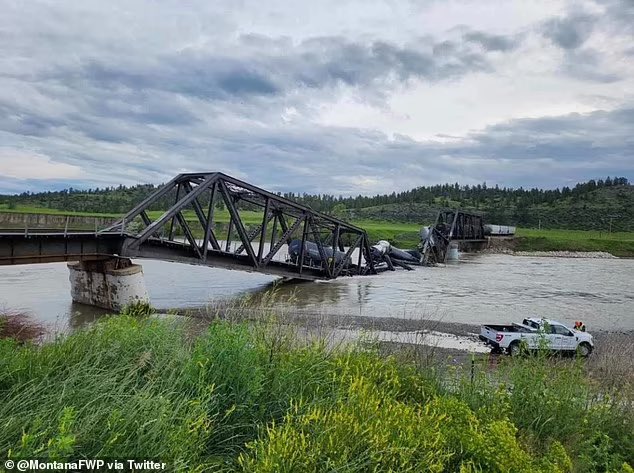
pixel 503 205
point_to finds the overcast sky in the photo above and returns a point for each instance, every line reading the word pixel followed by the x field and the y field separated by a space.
pixel 332 96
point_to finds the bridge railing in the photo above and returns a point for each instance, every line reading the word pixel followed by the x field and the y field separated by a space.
pixel 23 222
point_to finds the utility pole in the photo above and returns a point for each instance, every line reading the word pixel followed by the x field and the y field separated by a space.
pixel 612 217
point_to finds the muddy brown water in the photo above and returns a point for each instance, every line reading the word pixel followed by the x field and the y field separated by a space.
pixel 475 290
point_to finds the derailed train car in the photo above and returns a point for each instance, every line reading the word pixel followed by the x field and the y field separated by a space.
pixel 312 255
pixel 382 252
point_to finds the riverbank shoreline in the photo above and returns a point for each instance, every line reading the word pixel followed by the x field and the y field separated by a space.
pixel 440 339
pixel 551 254
pixel 442 343
pixel 562 244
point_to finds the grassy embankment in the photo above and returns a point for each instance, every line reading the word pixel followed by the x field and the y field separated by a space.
pixel 406 235
pixel 253 398
pixel 617 243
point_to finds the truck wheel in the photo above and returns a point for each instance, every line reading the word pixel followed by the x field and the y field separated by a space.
pixel 584 349
pixel 515 349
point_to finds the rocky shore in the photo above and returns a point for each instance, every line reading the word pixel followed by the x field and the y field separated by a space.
pixel 555 254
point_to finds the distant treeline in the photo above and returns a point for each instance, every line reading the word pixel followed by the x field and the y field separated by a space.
pixel 591 204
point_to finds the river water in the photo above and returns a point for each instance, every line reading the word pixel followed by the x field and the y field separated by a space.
pixel 475 290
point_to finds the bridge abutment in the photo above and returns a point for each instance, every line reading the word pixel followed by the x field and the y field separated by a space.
pixel 111 283
pixel 472 246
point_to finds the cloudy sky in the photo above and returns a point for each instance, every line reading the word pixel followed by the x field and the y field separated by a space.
pixel 331 96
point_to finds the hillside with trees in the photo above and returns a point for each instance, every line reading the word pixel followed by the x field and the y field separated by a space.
pixel 595 205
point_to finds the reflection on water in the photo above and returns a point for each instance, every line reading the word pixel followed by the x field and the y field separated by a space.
pixel 486 288
pixel 299 294
pixel 81 314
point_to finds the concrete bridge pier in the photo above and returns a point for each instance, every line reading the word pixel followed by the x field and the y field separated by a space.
pixel 110 283
pixel 471 246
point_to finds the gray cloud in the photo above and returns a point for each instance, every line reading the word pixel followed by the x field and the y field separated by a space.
pixel 529 152
pixel 587 64
pixel 620 14
pixel 570 32
pixel 492 42
pixel 575 139
pixel 139 103
pixel 259 70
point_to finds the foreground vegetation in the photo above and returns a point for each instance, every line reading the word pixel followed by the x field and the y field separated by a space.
pixel 256 399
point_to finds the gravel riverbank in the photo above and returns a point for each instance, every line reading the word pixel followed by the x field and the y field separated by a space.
pixel 549 254
pixel 565 254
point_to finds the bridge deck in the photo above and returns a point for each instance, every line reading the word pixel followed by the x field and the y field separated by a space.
pixel 46 246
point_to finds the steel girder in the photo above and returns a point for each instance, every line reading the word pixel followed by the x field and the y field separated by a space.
pixel 461 225
pixel 262 221
pixel 452 225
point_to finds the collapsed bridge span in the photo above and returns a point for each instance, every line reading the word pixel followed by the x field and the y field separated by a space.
pixel 259 232
pixel 263 223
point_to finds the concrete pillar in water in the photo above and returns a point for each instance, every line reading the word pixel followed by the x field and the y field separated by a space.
pixel 109 283
pixel 453 253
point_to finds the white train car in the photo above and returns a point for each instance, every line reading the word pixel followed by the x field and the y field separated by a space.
pixel 499 230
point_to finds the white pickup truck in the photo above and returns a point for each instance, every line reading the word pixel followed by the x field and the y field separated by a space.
pixel 535 333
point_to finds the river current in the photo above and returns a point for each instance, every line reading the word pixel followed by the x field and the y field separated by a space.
pixel 475 290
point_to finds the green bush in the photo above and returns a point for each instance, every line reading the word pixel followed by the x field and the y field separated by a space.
pixel 369 430
pixel 550 399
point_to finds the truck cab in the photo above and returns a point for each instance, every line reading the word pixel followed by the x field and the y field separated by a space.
pixel 557 334
pixel 537 333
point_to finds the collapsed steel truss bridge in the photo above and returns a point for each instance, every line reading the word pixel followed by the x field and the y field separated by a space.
pixel 451 226
pixel 264 223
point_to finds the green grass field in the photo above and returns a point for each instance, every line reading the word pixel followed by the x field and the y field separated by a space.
pixel 402 235
pixel 46 211
pixel 618 243
pixel 249 217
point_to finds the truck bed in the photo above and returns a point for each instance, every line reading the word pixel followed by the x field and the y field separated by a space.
pixel 509 328
pixel 500 336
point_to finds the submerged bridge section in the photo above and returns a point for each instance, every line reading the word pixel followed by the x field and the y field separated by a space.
pixel 264 232
pixel 452 230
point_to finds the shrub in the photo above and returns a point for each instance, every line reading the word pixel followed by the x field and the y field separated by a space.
pixel 369 429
